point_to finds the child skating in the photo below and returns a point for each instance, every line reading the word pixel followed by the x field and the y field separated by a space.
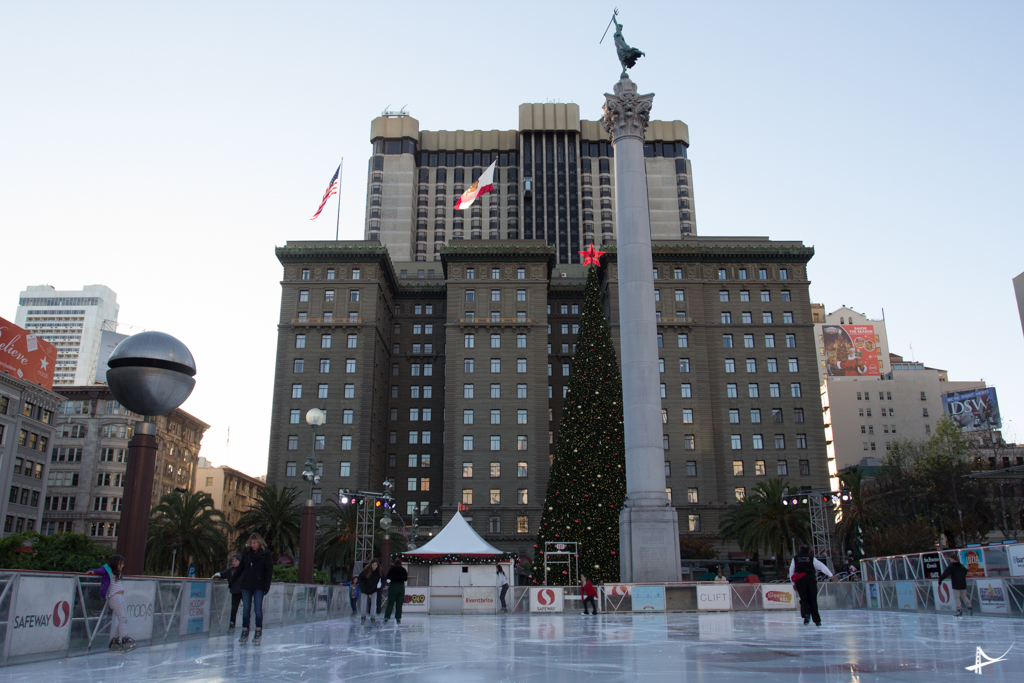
pixel 112 589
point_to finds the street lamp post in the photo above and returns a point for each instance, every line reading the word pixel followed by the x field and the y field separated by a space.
pixel 385 524
pixel 307 530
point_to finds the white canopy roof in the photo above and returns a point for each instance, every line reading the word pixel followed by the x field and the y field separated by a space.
pixel 457 537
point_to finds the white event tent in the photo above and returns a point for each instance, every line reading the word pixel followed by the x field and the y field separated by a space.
pixel 459 538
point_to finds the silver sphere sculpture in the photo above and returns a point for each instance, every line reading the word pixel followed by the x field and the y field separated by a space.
pixel 151 373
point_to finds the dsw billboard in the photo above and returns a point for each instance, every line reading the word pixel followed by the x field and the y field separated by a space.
pixel 973 411
pixel 26 356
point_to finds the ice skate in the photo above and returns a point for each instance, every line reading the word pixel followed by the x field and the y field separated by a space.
pixel 362 620
pixel 959 614
pixel 115 645
pixel 970 610
pixel 258 638
pixel 385 622
pixel 373 621
pixel 245 636
pixel 231 630
pixel 127 644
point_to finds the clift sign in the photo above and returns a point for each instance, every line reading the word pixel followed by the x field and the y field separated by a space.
pixel 26 356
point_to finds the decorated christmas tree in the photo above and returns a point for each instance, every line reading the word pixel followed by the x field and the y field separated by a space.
pixel 588 476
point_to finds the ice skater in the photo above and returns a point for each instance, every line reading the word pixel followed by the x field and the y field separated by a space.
pixel 957 575
pixel 396 578
pixel 803 572
pixel 257 573
pixel 502 588
pixel 589 593
pixel 233 575
pixel 370 581
pixel 353 595
pixel 112 590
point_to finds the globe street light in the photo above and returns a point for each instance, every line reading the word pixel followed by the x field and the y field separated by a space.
pixel 314 418
pixel 150 373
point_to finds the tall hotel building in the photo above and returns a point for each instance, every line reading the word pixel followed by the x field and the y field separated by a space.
pixel 71 320
pixel 441 345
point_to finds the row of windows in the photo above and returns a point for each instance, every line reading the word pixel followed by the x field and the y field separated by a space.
pixel 496 274
pixel 320 443
pixel 522 470
pixel 747 317
pixel 495 295
pixel 59 503
pixel 494 496
pixel 62 479
pixel 32 441
pixel 331 273
pixel 28 468
pixel 521 416
pixel 23 496
pixel 468 391
pixel 751 365
pixel 495 441
pixel 106 504
pixel 19 524
pixel 469 365
pixel 325 343
pixel 353 295
pixel 757 441
pixel 748 341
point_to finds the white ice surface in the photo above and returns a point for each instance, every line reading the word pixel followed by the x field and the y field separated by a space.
pixel 762 647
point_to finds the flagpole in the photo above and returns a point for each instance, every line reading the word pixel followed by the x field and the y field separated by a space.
pixel 337 225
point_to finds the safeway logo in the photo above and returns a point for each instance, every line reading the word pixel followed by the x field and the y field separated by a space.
pixel 943 593
pixel 61 613
pixel 778 596
pixel 546 597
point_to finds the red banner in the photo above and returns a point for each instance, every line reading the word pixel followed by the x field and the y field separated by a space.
pixel 851 351
pixel 26 356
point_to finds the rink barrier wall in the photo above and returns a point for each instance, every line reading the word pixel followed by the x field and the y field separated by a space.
pixel 49 615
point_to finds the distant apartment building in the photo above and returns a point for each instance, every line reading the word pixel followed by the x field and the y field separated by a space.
pixel 71 320
pixel 863 416
pixel 1018 290
pixel 233 492
pixel 27 417
pixel 88 459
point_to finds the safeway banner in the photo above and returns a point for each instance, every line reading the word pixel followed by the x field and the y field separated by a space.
pixel 26 356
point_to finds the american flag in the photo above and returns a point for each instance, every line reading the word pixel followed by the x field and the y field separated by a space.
pixel 332 190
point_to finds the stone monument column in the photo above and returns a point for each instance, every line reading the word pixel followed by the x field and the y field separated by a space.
pixel 648 524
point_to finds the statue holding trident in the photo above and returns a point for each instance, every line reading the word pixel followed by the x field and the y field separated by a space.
pixel 627 55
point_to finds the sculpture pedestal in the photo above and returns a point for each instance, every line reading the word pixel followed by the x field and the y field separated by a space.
pixel 648 524
pixel 138 497
pixel 307 540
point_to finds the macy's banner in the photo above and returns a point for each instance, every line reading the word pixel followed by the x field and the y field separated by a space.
pixel 26 356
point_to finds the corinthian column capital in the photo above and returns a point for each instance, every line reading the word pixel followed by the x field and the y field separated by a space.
pixel 626 113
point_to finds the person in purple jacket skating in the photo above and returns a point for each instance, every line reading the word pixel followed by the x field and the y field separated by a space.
pixel 112 589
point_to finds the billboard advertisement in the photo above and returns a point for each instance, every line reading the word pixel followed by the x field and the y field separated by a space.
pixel 973 411
pixel 851 351
pixel 1015 557
pixel 974 560
pixel 778 596
pixel 41 615
pixel 992 596
pixel 26 356
pixel 547 599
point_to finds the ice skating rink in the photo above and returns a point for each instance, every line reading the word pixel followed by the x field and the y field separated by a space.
pixel 762 647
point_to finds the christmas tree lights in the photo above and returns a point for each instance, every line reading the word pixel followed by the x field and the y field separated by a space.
pixel 588 475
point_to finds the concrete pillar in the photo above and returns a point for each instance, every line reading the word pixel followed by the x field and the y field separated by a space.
pixel 648 524
pixel 138 497
pixel 307 541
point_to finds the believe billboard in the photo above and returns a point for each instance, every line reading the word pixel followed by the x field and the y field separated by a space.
pixel 973 411
pixel 851 351
pixel 26 356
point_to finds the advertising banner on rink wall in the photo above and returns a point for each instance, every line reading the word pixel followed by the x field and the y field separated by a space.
pixel 715 597
pixel 195 608
pixel 973 411
pixel 26 356
pixel 139 597
pixel 851 351
pixel 779 596
pixel 547 599
pixel 41 618
pixel 417 599
pixel 992 596
pixel 1015 557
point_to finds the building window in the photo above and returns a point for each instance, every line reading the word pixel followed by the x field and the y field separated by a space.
pixel 730 365
pixel 682 340
pixel 780 442
pixel 685 390
pixel 737 468
pixel 737 442
pixel 693 522
pixel 740 492
pixel 467 443
pixel 495 365
pixel 346 443
pixel 758 442
pixel 782 469
pixel 523 497
pixel 794 390
pixel 293 443
pixel 727 341
pixel 691 495
pixel 300 341
pixel 496 341
pixel 726 317
pixel 495 443
pixel 495 391
pixel 759 469
pixel 467 391
pixel 467 496
pixel 296 391
pixel 684 365
pixel 295 417
pixel 350 365
pixel 730 391
pixel 805 467
pixel 773 391
pixel 689 442
pixel 522 524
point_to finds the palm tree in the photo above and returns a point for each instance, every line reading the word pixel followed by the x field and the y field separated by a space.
pixel 336 547
pixel 189 524
pixel 276 518
pixel 857 514
pixel 761 521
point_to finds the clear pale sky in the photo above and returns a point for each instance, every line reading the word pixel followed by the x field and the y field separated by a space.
pixel 165 149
